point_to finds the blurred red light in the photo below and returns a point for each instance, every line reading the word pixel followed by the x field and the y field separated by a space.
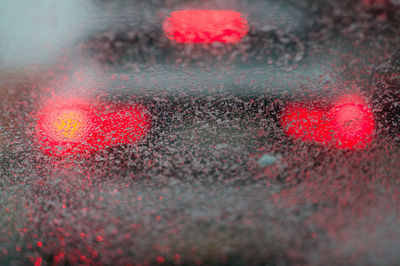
pixel 63 126
pixel 73 127
pixel 69 124
pixel 352 123
pixel 126 125
pixel 205 26
pixel 370 3
pixel 349 124
pixel 307 124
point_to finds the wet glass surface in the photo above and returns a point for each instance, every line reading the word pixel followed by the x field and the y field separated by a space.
pixel 268 137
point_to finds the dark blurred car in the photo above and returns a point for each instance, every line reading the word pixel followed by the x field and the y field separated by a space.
pixel 217 132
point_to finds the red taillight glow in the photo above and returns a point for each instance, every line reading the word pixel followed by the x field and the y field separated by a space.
pixel 370 3
pixel 352 122
pixel 76 128
pixel 306 123
pixel 205 26
pixel 124 126
pixel 70 124
pixel 348 124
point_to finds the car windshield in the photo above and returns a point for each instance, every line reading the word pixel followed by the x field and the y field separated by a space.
pixel 240 132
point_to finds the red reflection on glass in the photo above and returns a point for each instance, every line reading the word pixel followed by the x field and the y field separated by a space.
pixel 73 127
pixel 348 124
pixel 205 26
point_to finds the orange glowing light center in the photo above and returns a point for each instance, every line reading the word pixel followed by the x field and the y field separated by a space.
pixel 69 125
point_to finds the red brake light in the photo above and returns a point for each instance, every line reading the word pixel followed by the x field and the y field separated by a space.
pixel 124 126
pixel 205 26
pixel 69 125
pixel 370 3
pixel 62 127
pixel 74 128
pixel 348 124
pixel 352 122
pixel 306 123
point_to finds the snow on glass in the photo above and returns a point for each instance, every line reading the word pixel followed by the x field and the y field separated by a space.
pixel 217 181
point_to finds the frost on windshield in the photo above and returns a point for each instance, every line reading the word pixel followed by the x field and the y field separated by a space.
pixel 267 136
